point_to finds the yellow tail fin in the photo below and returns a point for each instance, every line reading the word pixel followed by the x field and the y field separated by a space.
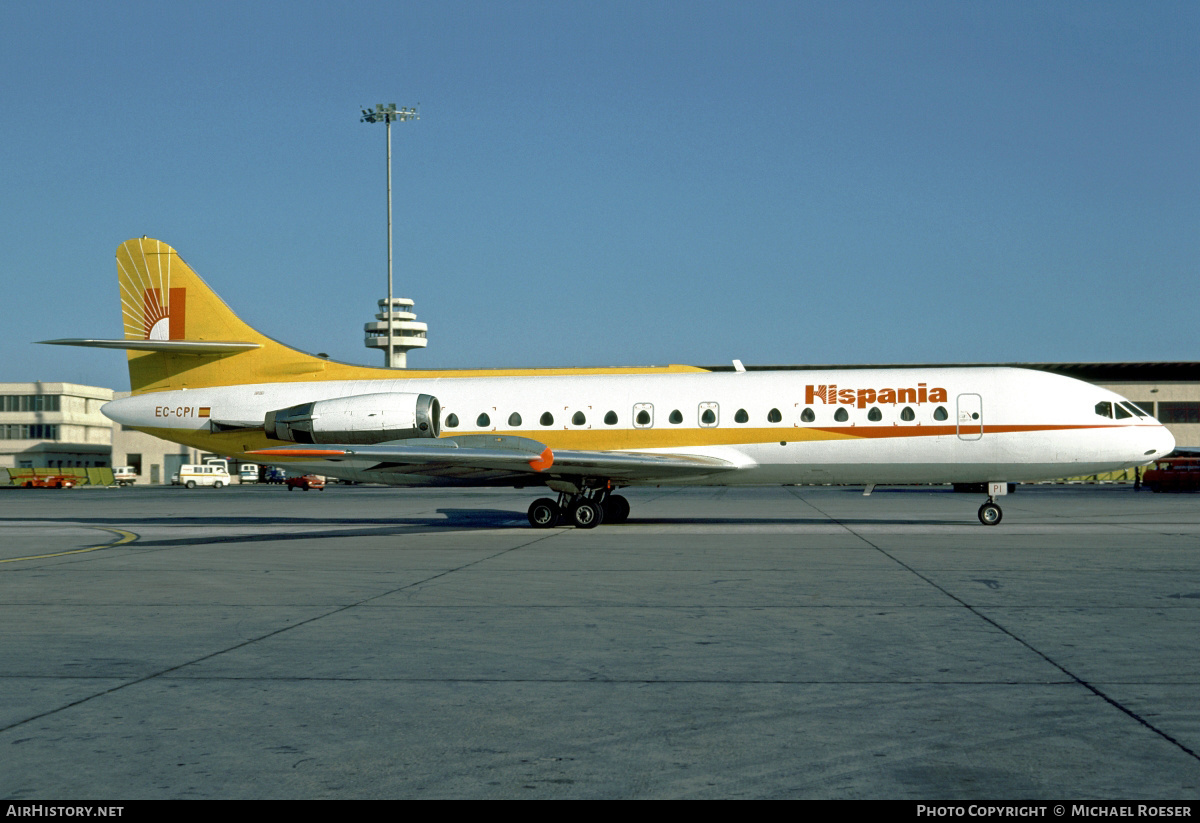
pixel 163 299
pixel 180 335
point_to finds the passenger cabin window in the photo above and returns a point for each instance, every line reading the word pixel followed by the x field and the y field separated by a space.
pixel 643 415
pixel 741 417
pixel 841 415
pixel 452 421
pixel 547 419
pixel 708 418
pixel 514 419
pixel 578 418
pixel 874 415
pixel 1104 408
pixel 808 416
pixel 773 416
pixel 907 414
pixel 483 421
pixel 676 417
pixel 610 419
pixel 940 413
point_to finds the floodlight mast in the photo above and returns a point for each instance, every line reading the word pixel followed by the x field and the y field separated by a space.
pixel 386 114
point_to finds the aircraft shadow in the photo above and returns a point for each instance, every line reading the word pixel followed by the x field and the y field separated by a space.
pixel 444 520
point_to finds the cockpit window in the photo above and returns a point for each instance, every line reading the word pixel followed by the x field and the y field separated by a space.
pixel 1123 412
pixel 1104 408
pixel 1133 407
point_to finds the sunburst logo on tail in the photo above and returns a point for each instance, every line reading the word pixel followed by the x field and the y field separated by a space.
pixel 151 308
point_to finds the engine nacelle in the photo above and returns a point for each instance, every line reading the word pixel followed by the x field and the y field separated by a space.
pixel 361 419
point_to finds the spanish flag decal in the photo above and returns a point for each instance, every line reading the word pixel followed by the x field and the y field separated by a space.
pixel 205 411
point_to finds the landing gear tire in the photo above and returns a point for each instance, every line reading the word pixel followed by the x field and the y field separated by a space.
pixel 586 514
pixel 543 513
pixel 990 514
pixel 616 509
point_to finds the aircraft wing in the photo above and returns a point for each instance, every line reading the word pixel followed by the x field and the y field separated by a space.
pixel 494 457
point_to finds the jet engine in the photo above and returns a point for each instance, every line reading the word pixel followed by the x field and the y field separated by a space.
pixel 361 419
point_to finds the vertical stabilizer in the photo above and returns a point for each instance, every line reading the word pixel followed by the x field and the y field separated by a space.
pixel 164 300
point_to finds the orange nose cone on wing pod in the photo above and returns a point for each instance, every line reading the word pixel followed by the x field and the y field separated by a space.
pixel 544 461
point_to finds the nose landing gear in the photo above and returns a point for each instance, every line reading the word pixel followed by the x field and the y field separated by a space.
pixel 989 513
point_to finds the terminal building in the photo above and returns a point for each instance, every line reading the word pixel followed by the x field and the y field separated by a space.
pixel 54 426
pixel 47 425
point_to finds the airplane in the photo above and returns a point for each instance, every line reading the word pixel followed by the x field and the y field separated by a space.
pixel 202 377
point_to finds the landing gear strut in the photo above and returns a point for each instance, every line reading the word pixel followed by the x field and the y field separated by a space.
pixel 584 510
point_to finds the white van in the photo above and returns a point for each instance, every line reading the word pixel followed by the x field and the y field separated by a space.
pixel 248 473
pixel 124 475
pixel 210 474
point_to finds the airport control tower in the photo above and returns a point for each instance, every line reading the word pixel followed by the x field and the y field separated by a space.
pixel 396 329
pixel 407 333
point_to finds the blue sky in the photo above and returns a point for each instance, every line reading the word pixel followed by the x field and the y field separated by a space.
pixel 613 183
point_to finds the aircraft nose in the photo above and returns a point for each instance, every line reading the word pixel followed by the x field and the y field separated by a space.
pixel 1158 442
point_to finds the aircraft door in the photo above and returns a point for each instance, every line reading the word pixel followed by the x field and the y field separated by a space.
pixel 970 417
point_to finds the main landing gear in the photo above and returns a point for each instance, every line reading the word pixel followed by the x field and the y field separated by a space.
pixel 584 510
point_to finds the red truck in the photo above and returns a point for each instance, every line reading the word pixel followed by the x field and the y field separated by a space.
pixel 50 481
pixel 1175 474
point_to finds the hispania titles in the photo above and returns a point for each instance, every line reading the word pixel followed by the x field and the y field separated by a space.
pixel 832 395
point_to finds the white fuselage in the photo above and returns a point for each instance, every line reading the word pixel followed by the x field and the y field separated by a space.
pixel 856 426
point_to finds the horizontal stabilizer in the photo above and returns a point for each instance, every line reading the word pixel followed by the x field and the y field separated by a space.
pixel 177 346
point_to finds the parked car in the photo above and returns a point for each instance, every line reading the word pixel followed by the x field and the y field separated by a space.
pixel 1175 474
pixel 308 481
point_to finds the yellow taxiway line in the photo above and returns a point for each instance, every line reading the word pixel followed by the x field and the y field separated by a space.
pixel 124 537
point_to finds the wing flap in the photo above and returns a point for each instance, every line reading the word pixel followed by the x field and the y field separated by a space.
pixel 467 455
pixel 637 465
pixel 483 452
